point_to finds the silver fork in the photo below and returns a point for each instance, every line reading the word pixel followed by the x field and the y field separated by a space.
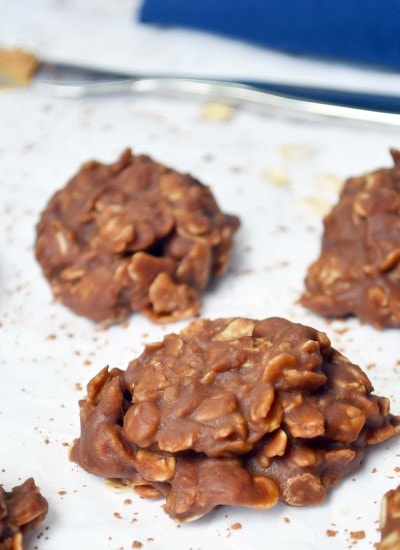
pixel 71 81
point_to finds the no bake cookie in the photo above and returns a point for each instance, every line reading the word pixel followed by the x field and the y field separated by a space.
pixel 133 236
pixel 390 521
pixel 232 411
pixel 358 271
pixel 21 509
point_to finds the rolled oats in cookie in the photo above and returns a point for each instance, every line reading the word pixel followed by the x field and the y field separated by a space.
pixel 358 271
pixel 21 509
pixel 232 411
pixel 134 235
pixel 390 521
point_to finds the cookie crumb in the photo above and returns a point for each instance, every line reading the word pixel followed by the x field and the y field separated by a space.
pixel 331 533
pixel 17 66
pixel 277 176
pixel 357 535
pixel 216 112
pixel 316 205
pixel 296 151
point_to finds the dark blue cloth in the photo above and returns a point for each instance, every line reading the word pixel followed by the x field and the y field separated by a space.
pixel 366 31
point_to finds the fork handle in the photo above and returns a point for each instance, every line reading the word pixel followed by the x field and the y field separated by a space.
pixel 234 93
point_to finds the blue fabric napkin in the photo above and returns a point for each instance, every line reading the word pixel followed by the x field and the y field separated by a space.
pixel 366 31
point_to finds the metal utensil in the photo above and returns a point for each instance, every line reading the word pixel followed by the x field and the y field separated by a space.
pixel 72 81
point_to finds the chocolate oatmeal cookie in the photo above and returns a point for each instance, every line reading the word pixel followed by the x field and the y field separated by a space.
pixel 358 271
pixel 133 236
pixel 232 411
pixel 390 521
pixel 21 509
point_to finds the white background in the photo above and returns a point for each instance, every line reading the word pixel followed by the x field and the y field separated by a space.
pixel 48 354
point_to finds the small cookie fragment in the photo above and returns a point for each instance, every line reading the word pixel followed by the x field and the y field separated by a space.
pixel 217 111
pixel 17 66
pixel 21 509
pixel 390 521
pixel 133 236
pixel 358 271
pixel 232 411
